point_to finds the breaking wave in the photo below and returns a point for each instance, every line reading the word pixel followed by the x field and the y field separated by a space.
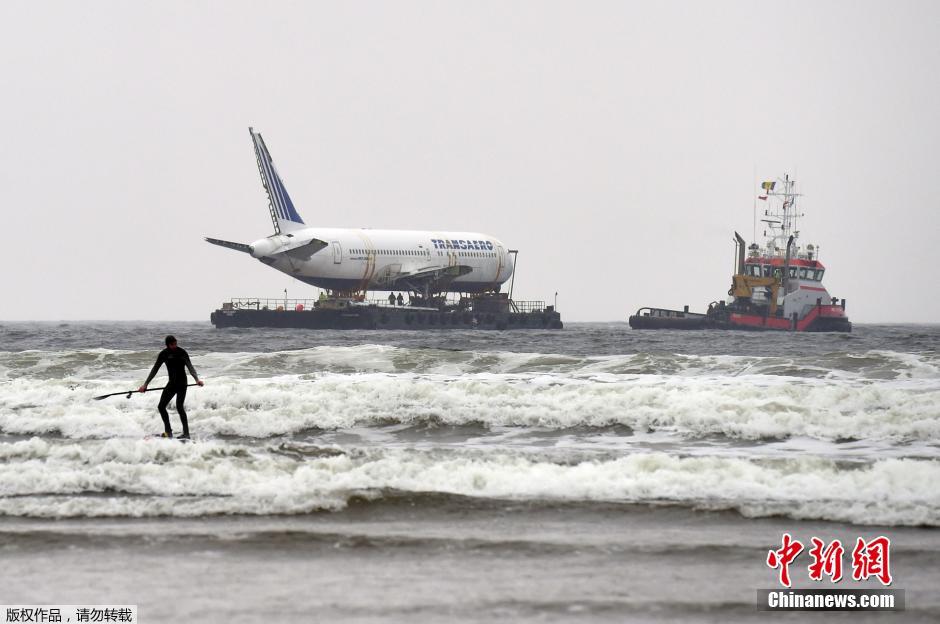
pixel 105 364
pixel 749 407
pixel 156 478
pixel 264 419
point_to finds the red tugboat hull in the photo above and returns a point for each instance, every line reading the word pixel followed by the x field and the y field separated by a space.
pixel 822 318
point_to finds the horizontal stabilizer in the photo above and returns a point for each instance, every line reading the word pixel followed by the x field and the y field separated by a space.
pixel 305 251
pixel 224 243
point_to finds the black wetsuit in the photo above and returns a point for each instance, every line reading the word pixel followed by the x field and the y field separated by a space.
pixel 177 361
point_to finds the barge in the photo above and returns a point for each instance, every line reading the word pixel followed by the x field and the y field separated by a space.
pixel 491 311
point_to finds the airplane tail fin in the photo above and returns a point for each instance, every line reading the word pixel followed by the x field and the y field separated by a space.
pixel 283 214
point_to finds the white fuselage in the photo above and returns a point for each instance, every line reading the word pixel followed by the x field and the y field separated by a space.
pixel 364 259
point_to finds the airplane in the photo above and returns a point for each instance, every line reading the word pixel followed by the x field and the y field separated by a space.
pixel 357 260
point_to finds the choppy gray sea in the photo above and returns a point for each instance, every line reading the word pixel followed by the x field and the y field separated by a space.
pixel 590 474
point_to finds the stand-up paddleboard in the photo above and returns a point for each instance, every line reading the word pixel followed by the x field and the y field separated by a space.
pixel 130 393
pixel 159 436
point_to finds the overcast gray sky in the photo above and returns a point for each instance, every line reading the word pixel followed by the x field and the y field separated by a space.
pixel 614 143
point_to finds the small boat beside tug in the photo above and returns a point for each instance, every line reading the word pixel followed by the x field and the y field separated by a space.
pixel 776 286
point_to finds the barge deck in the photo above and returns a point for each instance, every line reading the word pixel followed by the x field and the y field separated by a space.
pixel 489 312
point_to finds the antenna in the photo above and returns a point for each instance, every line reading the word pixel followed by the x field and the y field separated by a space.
pixel 754 230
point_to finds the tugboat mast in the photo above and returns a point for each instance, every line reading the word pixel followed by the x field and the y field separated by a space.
pixel 781 215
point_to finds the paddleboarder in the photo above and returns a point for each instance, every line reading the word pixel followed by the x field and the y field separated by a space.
pixel 177 361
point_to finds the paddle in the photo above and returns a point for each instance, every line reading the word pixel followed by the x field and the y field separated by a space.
pixel 130 392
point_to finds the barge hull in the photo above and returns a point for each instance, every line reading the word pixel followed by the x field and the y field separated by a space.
pixel 379 317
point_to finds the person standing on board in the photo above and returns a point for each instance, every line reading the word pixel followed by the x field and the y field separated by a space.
pixel 177 361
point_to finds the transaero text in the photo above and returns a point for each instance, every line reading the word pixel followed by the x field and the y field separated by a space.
pixel 462 244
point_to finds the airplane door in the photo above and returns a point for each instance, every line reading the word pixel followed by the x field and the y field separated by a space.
pixel 337 253
pixel 500 260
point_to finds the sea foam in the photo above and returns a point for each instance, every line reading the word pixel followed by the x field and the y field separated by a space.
pixel 147 478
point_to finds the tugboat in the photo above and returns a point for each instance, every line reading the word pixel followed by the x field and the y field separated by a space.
pixel 777 285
